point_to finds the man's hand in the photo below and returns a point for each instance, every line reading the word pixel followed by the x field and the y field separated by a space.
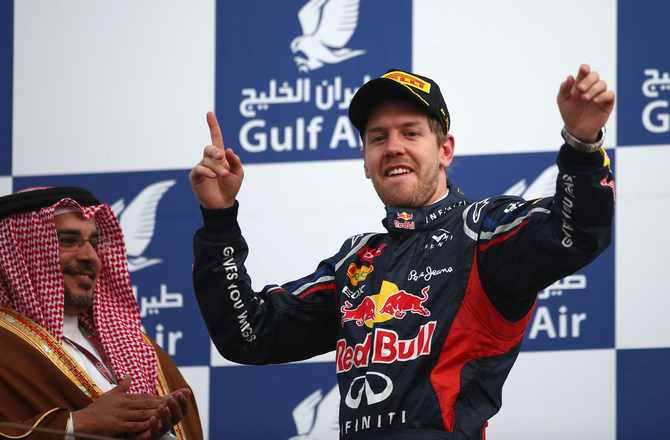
pixel 217 179
pixel 138 416
pixel 175 407
pixel 585 104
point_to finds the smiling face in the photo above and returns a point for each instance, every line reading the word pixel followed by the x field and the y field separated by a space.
pixel 402 157
pixel 81 266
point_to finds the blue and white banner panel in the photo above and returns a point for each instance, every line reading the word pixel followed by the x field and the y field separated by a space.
pixel 287 71
pixel 644 72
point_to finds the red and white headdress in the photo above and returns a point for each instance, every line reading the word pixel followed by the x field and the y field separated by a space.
pixel 31 278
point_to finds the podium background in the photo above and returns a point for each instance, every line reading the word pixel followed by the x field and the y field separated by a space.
pixel 112 96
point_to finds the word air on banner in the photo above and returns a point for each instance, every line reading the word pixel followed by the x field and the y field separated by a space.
pixel 569 325
pixel 325 95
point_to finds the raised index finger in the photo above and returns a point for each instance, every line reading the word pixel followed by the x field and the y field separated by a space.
pixel 584 70
pixel 215 130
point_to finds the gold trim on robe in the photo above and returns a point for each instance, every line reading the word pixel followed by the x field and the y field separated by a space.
pixel 36 336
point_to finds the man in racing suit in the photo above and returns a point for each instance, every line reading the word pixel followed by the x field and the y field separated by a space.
pixel 427 319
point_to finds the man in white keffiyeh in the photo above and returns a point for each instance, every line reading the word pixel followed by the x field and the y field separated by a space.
pixel 74 357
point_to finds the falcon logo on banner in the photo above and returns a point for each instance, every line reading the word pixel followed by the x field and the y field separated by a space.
pixel 138 220
pixel 327 26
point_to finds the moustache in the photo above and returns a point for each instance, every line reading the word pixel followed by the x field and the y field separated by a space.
pixel 81 267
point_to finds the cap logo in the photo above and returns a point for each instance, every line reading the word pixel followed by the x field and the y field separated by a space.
pixel 409 80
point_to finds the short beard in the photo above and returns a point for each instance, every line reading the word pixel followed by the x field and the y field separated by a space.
pixel 79 302
pixel 419 196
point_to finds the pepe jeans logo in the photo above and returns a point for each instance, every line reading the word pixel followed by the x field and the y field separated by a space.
pixel 654 118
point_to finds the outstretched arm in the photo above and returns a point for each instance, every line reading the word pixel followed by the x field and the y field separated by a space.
pixel 585 104
pixel 217 178
pixel 527 245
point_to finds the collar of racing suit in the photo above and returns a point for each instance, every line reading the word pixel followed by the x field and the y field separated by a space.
pixel 402 220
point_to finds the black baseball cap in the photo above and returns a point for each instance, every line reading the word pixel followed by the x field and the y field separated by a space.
pixel 397 83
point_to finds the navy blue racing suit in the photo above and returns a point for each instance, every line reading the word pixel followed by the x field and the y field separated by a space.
pixel 427 319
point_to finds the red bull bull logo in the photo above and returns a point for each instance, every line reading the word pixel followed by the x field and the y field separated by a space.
pixel 389 303
pixel 364 312
pixel 401 302
pixel 405 216
pixel 404 221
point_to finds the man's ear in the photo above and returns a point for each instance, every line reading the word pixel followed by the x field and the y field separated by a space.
pixel 365 164
pixel 447 150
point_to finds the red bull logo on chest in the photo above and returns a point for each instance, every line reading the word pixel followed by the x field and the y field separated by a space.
pixel 389 303
pixel 384 347
pixel 401 302
pixel 361 314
